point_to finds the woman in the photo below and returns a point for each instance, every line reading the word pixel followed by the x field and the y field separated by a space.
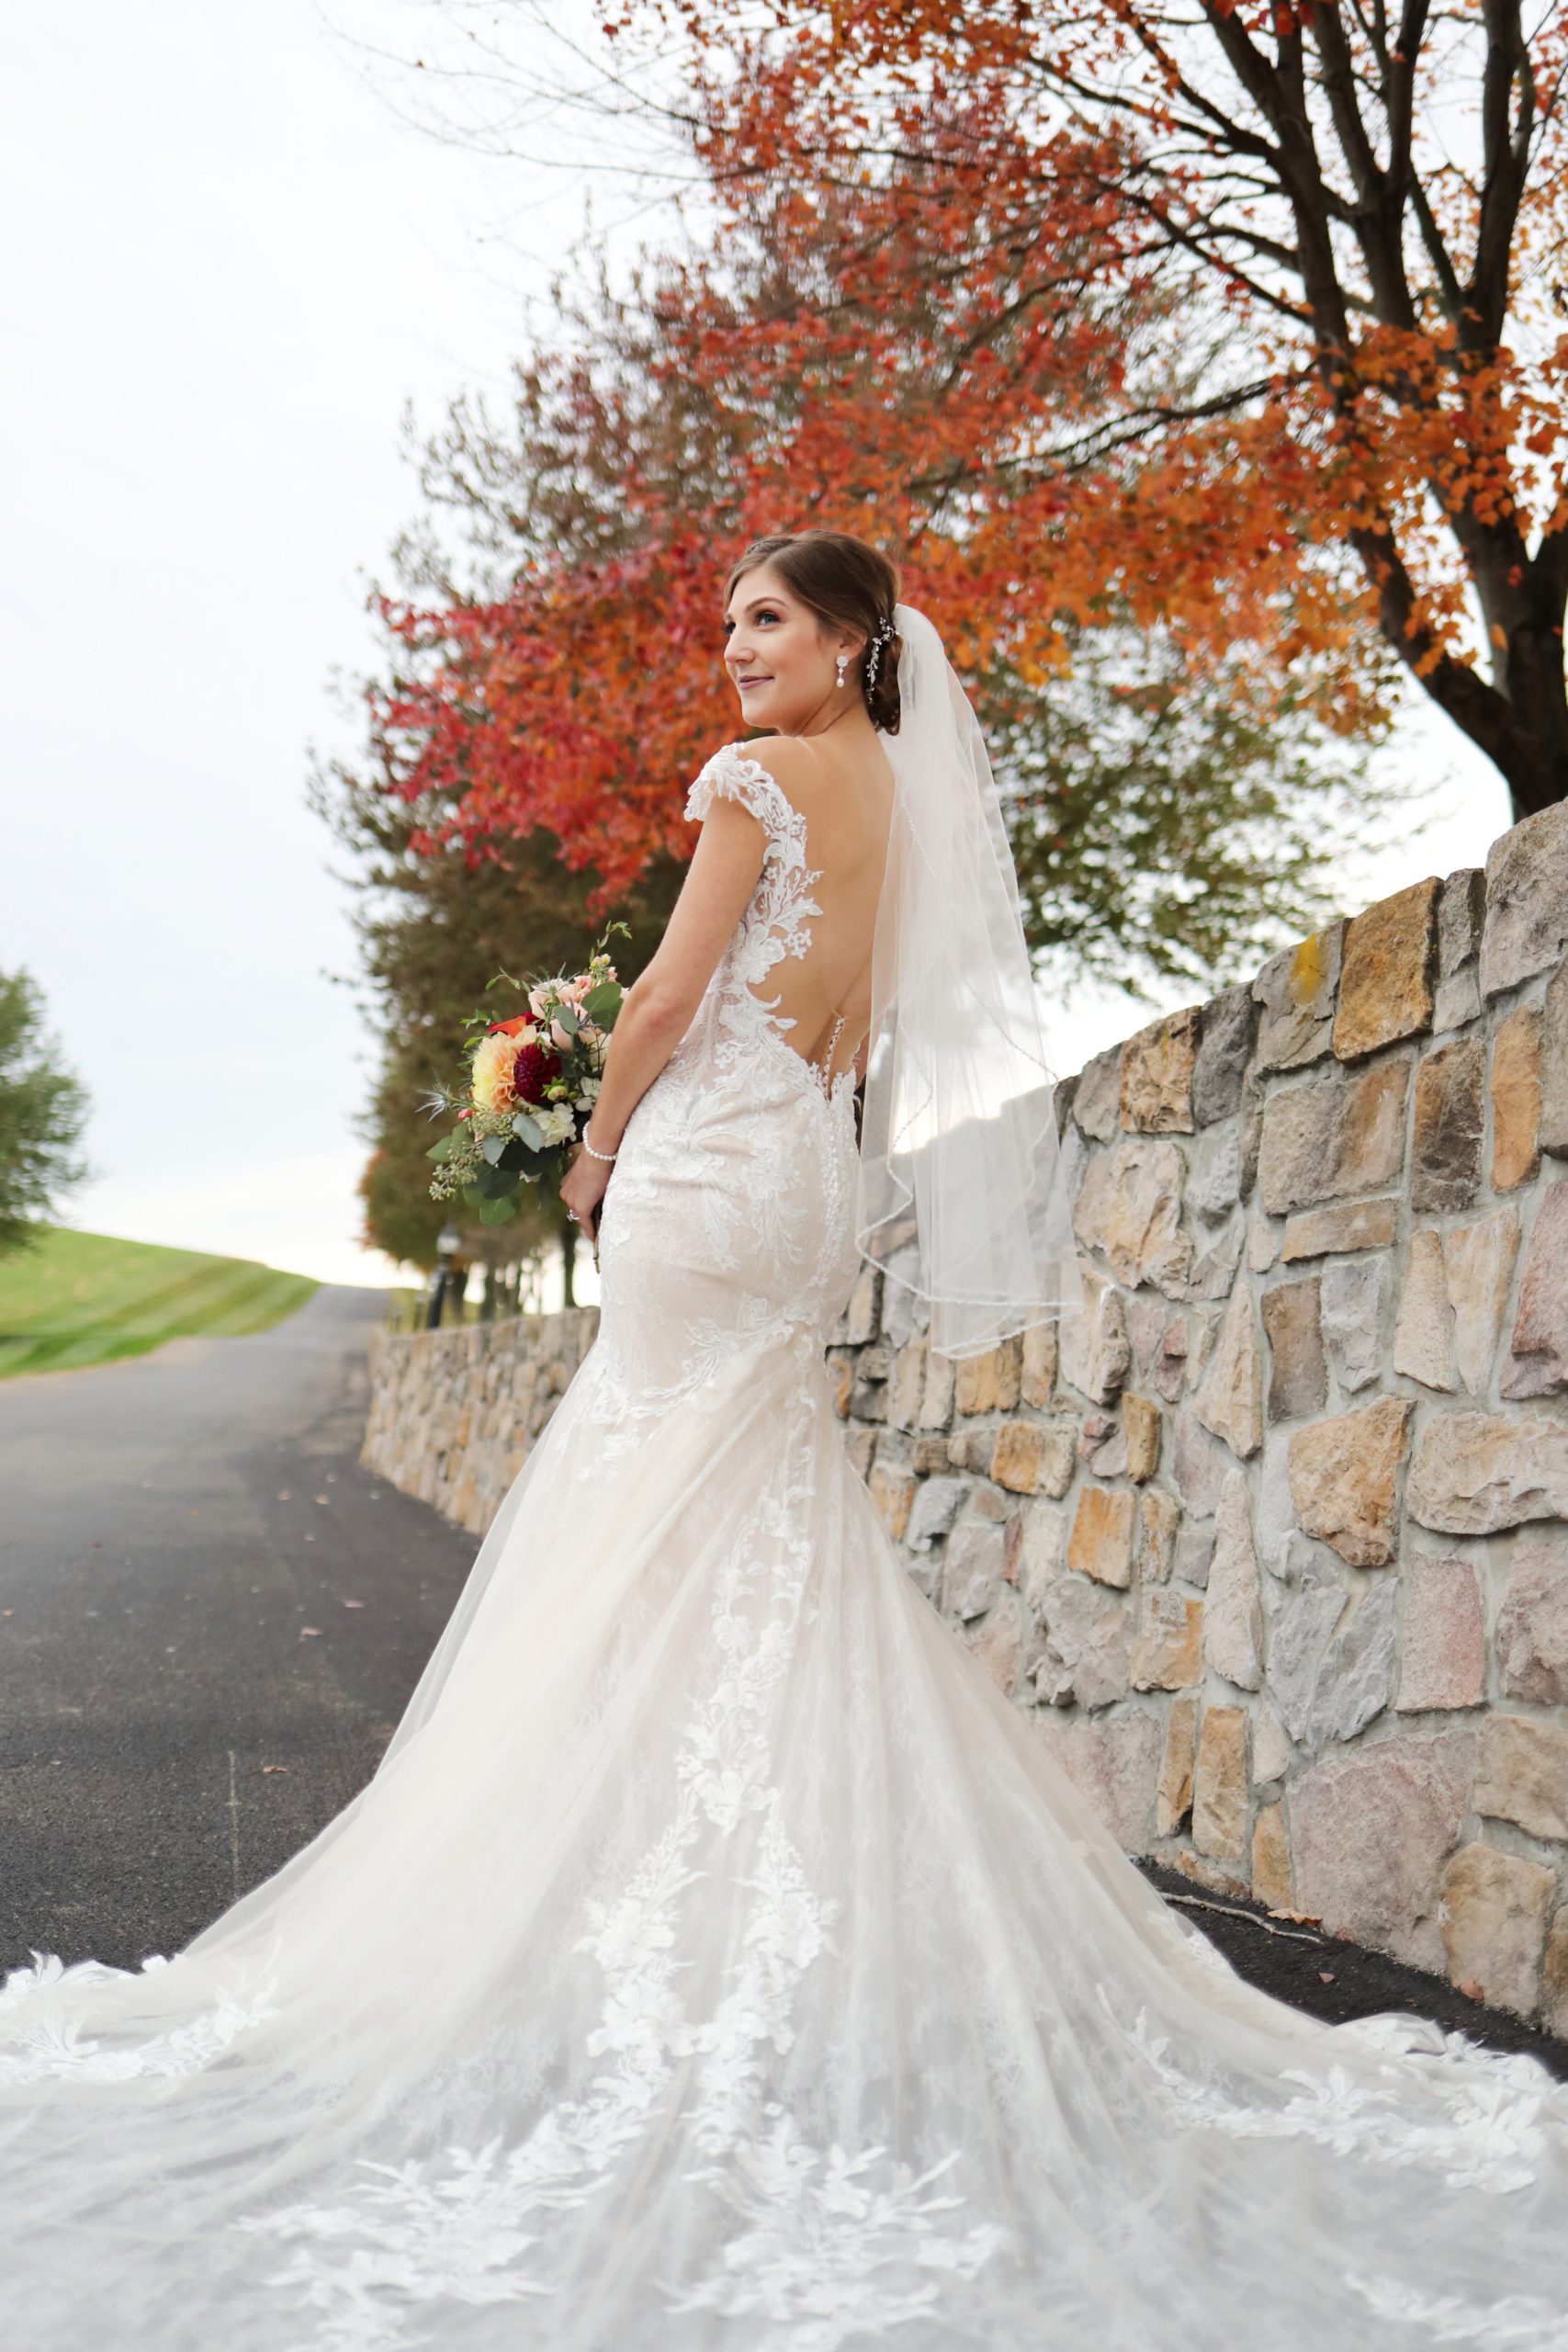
pixel 714 1960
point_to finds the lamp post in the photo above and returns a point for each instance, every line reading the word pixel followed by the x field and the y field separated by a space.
pixel 447 1243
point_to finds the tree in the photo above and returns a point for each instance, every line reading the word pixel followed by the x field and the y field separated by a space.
pixel 1363 206
pixel 837 357
pixel 433 930
pixel 1159 832
pixel 43 1110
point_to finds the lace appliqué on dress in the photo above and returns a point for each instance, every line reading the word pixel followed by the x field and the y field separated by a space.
pixel 1515 2323
pixel 819 2231
pixel 1482 2124
pixel 823 2227
pixel 775 923
pixel 46 2043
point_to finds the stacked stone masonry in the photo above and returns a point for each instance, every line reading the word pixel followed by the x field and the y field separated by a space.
pixel 1270 1542
pixel 452 1414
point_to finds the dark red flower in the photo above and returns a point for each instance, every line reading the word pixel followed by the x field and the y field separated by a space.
pixel 532 1071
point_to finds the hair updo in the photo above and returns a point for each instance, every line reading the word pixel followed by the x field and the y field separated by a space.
pixel 848 585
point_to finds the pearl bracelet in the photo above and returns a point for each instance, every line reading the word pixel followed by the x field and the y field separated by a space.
pixel 604 1156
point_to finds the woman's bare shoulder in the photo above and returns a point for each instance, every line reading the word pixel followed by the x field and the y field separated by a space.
pixel 806 772
pixel 783 757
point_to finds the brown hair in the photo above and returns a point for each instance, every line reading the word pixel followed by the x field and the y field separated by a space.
pixel 847 583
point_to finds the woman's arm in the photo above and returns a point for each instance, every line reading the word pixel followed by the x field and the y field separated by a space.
pixel 656 1009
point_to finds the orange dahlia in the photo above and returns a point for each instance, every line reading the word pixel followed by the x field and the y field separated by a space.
pixel 493 1062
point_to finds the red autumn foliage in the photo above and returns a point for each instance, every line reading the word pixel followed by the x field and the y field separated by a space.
pixel 848 363
pixel 1194 322
pixel 1362 210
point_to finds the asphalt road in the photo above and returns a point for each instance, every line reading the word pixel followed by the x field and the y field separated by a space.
pixel 212 1618
pixel 1332 1979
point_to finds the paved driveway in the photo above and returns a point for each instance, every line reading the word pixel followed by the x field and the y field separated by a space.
pixel 213 1619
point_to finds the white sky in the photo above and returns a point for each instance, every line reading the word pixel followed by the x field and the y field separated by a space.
pixel 227 265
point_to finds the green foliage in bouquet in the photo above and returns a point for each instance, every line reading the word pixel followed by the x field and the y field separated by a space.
pixel 533 1082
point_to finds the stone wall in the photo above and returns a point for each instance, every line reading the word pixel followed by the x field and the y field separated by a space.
pixel 452 1414
pixel 1272 1543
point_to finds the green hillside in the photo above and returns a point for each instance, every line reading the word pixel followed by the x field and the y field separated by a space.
pixel 80 1298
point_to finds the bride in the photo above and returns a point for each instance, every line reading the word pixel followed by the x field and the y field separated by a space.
pixel 716 1962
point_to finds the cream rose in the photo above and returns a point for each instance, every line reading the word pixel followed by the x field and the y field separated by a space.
pixel 555 1122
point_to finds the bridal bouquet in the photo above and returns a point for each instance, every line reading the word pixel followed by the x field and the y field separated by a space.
pixel 532 1080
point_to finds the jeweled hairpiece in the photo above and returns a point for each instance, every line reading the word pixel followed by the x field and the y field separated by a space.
pixel 873 659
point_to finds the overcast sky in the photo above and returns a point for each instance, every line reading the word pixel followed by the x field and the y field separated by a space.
pixel 228 264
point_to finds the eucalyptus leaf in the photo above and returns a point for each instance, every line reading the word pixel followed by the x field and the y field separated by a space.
pixel 529 1130
pixel 492 1147
pixel 443 1149
pixel 602 1004
pixel 499 1212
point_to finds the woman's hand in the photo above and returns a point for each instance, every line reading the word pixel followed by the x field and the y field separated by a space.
pixel 582 1189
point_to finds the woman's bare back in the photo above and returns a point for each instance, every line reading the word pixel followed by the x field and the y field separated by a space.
pixel 845 794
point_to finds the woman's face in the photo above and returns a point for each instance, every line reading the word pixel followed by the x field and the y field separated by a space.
pixel 781 658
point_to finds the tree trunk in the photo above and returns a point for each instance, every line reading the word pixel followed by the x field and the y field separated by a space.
pixel 1521 722
pixel 1538 774
pixel 1518 717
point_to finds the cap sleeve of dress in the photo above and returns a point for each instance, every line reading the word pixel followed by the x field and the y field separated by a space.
pixel 730 775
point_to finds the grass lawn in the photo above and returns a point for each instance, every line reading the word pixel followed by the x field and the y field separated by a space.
pixel 79 1298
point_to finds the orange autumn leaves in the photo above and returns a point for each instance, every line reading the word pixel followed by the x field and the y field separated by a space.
pixel 846 364
pixel 1070 307
pixel 1365 221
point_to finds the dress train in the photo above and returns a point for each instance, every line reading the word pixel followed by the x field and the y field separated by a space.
pixel 716 1962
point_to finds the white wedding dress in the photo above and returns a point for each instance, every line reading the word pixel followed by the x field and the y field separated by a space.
pixel 716 1962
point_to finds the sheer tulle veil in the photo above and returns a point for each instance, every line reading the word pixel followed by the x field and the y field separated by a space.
pixel 960 1194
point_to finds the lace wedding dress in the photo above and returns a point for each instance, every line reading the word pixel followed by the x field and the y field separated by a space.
pixel 716 1962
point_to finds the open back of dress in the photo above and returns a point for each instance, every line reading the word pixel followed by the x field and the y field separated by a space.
pixel 820 993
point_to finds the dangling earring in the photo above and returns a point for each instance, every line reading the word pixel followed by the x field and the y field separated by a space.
pixel 843 665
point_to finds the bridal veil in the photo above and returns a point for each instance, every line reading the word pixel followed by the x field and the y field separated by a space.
pixel 960 1191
